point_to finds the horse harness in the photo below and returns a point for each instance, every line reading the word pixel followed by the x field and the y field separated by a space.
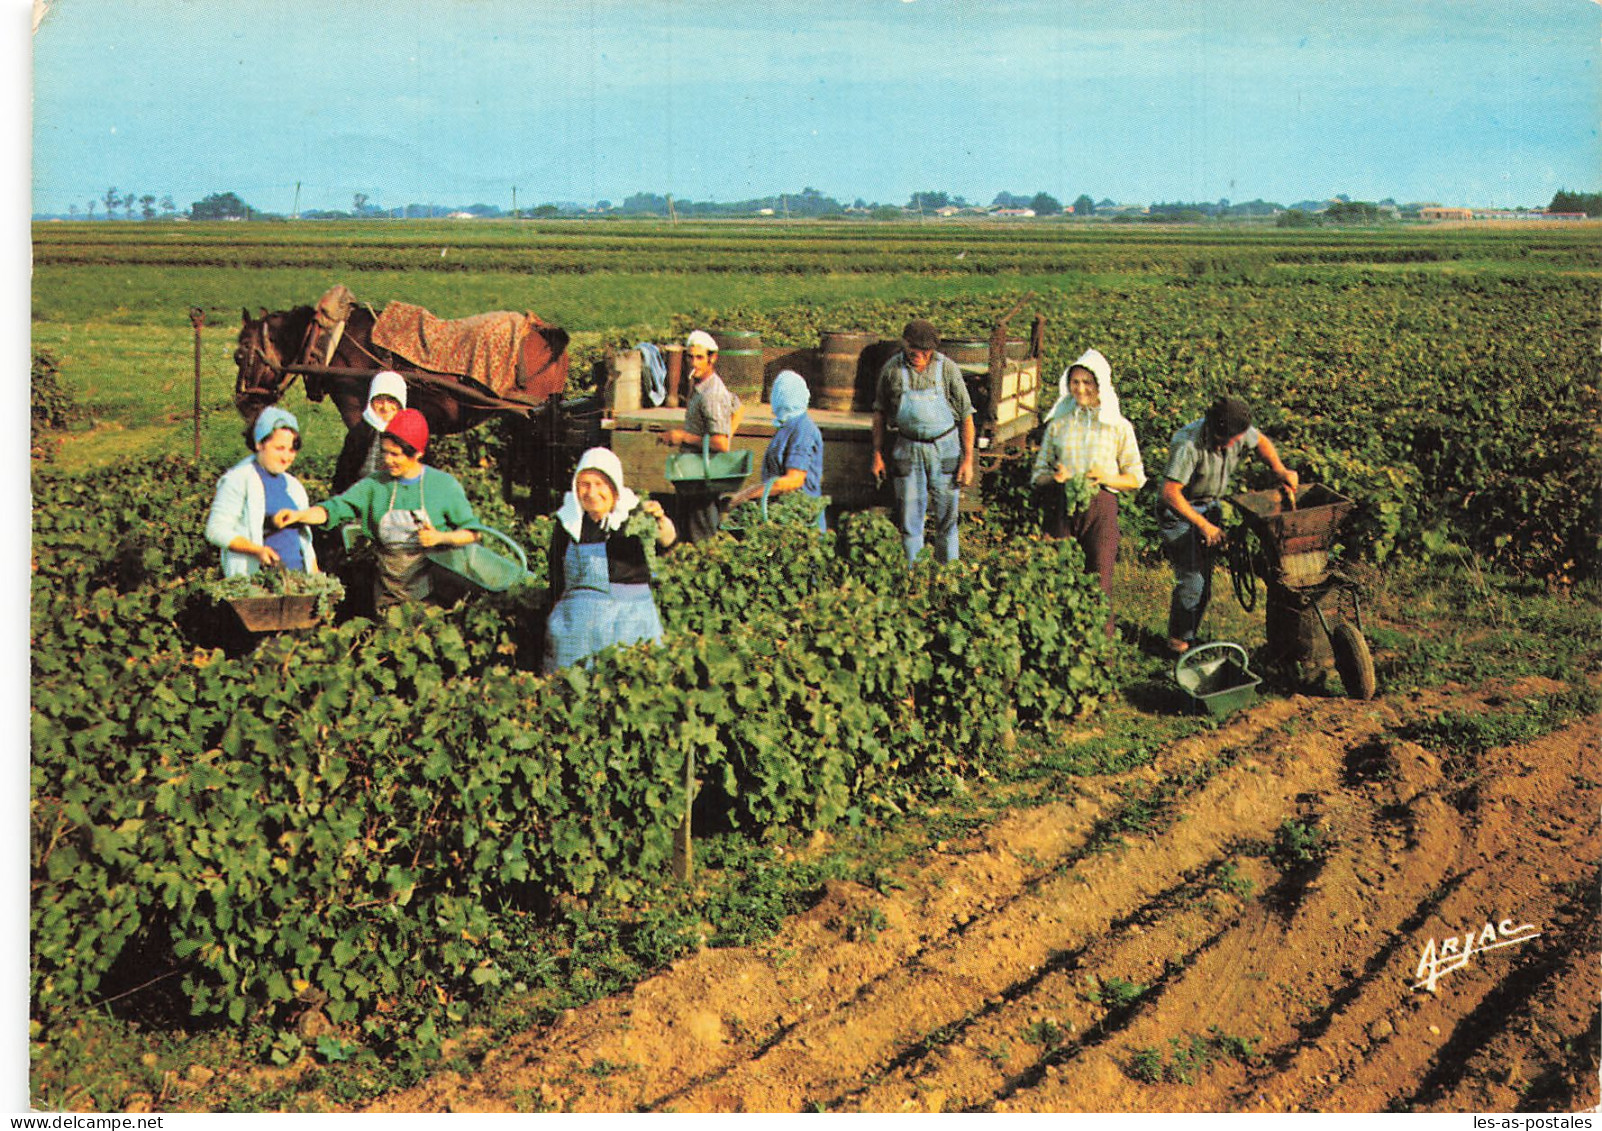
pixel 264 351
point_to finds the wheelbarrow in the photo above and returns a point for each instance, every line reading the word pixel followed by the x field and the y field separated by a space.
pixel 1286 541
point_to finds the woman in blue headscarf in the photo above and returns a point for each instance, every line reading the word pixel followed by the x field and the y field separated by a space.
pixel 794 459
pixel 253 489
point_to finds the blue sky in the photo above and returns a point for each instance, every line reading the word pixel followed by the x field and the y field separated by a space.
pixel 456 101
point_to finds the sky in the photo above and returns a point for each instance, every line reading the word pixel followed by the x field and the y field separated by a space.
pixel 455 102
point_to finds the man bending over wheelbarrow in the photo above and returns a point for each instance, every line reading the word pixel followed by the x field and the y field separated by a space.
pixel 1201 460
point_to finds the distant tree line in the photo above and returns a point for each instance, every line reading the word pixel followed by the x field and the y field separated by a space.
pixel 1588 202
pixel 113 199
pixel 809 203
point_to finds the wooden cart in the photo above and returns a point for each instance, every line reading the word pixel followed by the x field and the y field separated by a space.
pixel 1007 405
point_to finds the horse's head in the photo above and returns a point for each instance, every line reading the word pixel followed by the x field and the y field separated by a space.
pixel 265 346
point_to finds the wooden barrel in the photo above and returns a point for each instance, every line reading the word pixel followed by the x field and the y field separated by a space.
pixel 838 388
pixel 673 354
pixel 973 358
pixel 623 376
pixel 740 363
pixel 974 355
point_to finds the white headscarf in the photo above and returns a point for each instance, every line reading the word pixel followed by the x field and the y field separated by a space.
pixel 703 339
pixel 386 383
pixel 1092 360
pixel 605 461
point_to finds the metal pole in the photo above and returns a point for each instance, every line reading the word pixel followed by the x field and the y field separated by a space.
pixel 197 319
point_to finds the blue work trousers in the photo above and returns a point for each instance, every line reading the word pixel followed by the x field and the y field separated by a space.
pixel 1187 551
pixel 924 475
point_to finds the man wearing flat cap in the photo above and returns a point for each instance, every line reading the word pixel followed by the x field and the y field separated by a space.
pixel 1201 461
pixel 922 398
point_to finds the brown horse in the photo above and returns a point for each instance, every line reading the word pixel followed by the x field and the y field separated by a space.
pixel 271 343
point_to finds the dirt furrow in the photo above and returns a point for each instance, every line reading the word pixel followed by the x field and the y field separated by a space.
pixel 827 1058
pixel 1079 1000
pixel 1233 1000
pixel 1376 1044
pixel 717 1009
pixel 1155 942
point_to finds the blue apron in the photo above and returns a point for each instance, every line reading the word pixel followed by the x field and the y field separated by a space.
pixel 923 414
pixel 593 613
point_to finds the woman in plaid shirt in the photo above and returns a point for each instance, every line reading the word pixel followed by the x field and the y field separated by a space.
pixel 1087 436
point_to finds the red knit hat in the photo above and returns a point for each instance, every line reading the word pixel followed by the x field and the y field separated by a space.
pixel 409 426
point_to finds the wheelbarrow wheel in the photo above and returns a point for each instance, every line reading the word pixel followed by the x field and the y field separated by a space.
pixel 1242 552
pixel 1353 661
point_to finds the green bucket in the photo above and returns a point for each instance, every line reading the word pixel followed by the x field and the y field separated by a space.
pixel 1217 678
pixel 482 566
pixel 710 473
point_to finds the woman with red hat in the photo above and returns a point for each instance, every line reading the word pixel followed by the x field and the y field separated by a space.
pixel 407 509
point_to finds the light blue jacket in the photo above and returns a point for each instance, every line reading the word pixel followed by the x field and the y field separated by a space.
pixel 240 511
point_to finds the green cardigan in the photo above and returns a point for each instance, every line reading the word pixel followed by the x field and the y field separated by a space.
pixel 435 492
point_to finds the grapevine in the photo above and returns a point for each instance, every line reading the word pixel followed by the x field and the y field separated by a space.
pixel 1078 494
pixel 643 526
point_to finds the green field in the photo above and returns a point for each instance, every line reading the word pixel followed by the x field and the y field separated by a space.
pixel 1403 366
pixel 401 831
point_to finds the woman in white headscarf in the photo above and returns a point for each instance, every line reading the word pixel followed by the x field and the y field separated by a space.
pixel 359 457
pixel 1087 437
pixel 599 569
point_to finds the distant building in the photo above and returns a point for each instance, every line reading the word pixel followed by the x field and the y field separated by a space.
pixel 1013 213
pixel 1436 212
pixel 1508 214
pixel 461 216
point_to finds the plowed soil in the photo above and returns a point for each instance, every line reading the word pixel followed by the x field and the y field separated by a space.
pixel 1077 956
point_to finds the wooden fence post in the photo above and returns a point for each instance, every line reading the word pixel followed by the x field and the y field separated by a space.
pixel 197 319
pixel 683 851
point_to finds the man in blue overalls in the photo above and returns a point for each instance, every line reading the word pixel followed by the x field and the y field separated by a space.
pixel 922 396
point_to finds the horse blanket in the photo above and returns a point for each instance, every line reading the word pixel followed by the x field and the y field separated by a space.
pixel 483 347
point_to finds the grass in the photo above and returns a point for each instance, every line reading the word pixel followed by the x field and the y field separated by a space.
pixel 1044 1032
pixel 865 925
pixel 1117 993
pixel 1300 844
pixel 1464 735
pixel 1189 1056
